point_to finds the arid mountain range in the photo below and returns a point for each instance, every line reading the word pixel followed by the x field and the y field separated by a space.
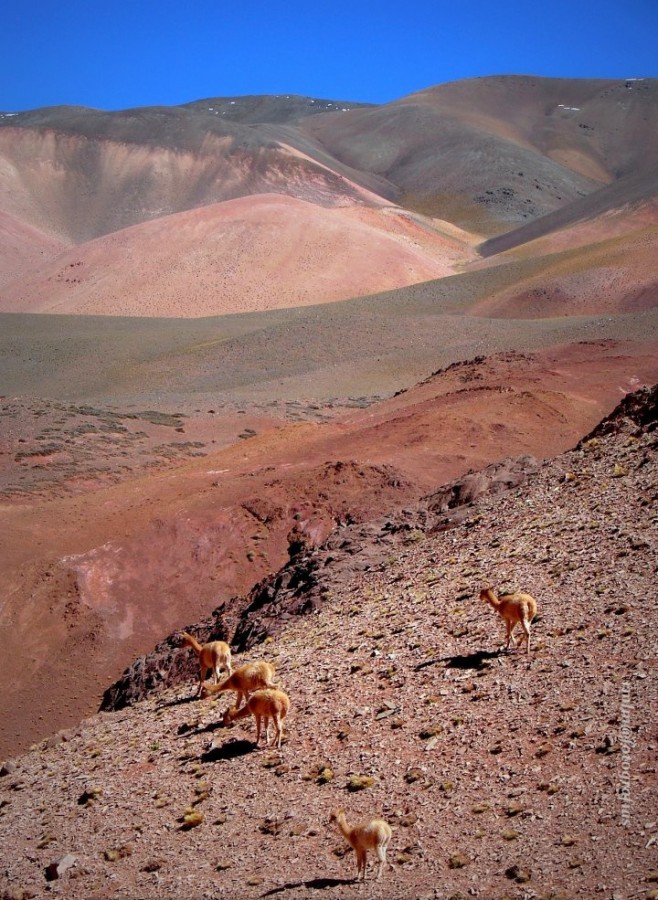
pixel 232 327
pixel 232 205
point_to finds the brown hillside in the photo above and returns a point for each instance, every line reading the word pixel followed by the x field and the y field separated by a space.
pixel 78 188
pixel 492 153
pixel 618 275
pixel 601 128
pixel 502 775
pixel 486 154
pixel 218 413
pixel 99 575
pixel 626 205
pixel 23 248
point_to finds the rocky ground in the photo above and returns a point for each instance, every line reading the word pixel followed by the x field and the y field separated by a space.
pixel 503 775
pixel 51 448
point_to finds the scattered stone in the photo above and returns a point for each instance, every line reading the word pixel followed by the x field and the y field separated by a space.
pixel 516 873
pixel 271 825
pixel 113 854
pixel 191 819
pixel 18 893
pixel 152 865
pixel 325 775
pixel 87 797
pixel 413 774
pixel 431 731
pixel 407 820
pixel 607 746
pixel 46 840
pixel 56 869
pixel 360 782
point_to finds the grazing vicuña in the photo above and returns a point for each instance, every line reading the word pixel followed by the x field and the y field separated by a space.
pixel 244 681
pixel 268 705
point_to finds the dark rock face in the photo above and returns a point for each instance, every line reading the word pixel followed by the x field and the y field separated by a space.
pixel 636 410
pixel 448 503
pixel 167 664
pixel 314 574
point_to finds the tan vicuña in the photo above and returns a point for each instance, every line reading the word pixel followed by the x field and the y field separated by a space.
pixel 268 705
pixel 515 609
pixel 212 657
pixel 374 835
pixel 244 681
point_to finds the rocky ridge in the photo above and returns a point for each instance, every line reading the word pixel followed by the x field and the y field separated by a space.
pixel 313 575
pixel 503 775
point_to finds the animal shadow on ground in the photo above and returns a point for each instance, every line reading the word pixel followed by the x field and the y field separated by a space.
pixel 230 749
pixel 317 884
pixel 178 701
pixel 211 726
pixel 477 660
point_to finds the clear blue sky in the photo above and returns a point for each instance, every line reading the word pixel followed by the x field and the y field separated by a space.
pixel 114 54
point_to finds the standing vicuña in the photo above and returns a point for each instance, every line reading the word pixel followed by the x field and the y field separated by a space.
pixel 515 609
pixel 374 835
pixel 212 656
pixel 244 681
pixel 269 705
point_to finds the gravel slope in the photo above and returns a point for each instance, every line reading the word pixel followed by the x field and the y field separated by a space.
pixel 501 774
